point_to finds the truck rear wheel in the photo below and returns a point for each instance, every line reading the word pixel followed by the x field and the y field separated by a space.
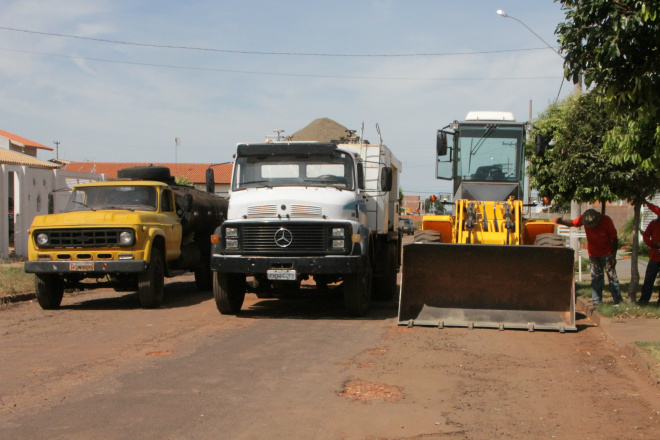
pixel 357 292
pixel 151 282
pixel 49 290
pixel 229 292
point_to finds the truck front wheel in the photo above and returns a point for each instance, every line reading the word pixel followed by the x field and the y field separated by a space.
pixel 151 282
pixel 357 292
pixel 229 292
pixel 49 290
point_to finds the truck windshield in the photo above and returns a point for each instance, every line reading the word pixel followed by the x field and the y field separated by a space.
pixel 334 170
pixel 489 153
pixel 130 197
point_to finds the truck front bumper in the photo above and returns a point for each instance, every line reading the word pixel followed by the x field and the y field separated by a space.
pixel 99 267
pixel 302 265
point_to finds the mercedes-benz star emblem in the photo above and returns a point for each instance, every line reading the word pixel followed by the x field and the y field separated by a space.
pixel 283 237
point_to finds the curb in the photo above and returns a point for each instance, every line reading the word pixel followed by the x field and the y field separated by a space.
pixel 641 359
pixel 17 298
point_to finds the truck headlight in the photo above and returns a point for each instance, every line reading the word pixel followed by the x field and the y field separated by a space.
pixel 338 232
pixel 231 243
pixel 125 238
pixel 42 239
pixel 338 244
pixel 231 232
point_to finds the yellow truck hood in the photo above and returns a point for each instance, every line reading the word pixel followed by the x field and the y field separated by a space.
pixel 94 218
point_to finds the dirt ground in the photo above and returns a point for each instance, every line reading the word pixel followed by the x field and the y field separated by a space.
pixel 298 368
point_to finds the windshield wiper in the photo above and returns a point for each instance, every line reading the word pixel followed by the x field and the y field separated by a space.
pixel 84 204
pixel 257 182
pixel 119 207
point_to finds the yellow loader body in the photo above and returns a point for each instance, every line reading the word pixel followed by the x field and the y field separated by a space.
pixel 486 267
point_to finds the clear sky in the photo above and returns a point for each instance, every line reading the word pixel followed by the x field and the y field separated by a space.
pixel 106 101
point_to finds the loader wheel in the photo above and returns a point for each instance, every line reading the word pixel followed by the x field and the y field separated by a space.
pixel 357 292
pixel 549 240
pixel 385 287
pixel 428 237
pixel 229 292
pixel 151 282
pixel 49 289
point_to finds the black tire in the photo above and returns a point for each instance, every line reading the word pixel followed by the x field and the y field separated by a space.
pixel 428 237
pixel 204 276
pixel 357 292
pixel 229 292
pixel 151 282
pixel 159 174
pixel 549 240
pixel 49 289
pixel 385 286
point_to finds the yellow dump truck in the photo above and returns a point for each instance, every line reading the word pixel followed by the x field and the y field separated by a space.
pixel 486 264
pixel 128 234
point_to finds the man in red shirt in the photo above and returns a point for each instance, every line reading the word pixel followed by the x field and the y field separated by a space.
pixel 602 243
pixel 652 239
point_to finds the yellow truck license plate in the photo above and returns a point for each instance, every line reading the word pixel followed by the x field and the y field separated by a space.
pixel 81 266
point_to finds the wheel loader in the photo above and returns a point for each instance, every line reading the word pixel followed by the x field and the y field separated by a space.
pixel 485 264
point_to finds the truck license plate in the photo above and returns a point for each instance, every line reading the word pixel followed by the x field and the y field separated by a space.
pixel 287 275
pixel 81 266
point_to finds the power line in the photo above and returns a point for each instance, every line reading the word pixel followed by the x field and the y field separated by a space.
pixel 249 72
pixel 246 52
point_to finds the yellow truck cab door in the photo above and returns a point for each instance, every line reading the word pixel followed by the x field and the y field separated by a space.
pixel 173 224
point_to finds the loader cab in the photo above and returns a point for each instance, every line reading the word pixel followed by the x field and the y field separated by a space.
pixel 483 156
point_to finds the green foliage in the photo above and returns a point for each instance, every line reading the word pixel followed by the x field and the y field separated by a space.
pixel 576 167
pixel 183 180
pixel 434 206
pixel 616 46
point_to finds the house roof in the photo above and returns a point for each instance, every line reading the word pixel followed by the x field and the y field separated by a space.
pixel 15 158
pixel 22 142
pixel 196 172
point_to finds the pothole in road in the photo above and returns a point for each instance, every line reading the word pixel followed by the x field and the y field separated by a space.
pixel 369 391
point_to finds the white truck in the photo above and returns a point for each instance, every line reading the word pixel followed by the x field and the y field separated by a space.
pixel 301 209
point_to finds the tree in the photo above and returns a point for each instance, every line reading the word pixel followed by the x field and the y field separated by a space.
pixel 578 168
pixel 183 180
pixel 615 45
pixel 435 206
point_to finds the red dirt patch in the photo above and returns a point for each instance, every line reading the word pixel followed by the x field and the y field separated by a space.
pixel 370 391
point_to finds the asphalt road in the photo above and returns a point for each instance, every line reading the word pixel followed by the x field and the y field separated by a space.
pixel 103 368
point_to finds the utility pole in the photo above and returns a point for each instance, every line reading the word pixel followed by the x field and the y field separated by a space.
pixel 177 141
pixel 57 149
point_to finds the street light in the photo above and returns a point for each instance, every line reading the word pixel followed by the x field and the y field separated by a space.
pixel 504 14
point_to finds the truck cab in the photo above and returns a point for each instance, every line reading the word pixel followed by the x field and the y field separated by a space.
pixel 305 209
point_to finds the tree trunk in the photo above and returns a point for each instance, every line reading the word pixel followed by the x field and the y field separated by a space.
pixel 634 269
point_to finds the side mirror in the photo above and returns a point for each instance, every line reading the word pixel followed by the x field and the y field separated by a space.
pixel 51 203
pixel 540 145
pixel 210 181
pixel 360 176
pixel 441 144
pixel 386 179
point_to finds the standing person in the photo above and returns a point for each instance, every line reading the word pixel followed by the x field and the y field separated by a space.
pixel 652 239
pixel 602 243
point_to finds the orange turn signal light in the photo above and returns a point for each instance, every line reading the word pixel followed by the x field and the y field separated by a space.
pixel 215 239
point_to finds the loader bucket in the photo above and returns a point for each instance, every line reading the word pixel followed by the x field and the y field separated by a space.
pixel 492 286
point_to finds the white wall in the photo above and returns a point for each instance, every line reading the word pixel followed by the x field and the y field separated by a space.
pixel 31 188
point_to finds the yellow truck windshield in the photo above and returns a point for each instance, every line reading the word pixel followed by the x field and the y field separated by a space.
pixel 129 197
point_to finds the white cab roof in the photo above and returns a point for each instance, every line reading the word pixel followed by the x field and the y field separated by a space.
pixel 490 116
